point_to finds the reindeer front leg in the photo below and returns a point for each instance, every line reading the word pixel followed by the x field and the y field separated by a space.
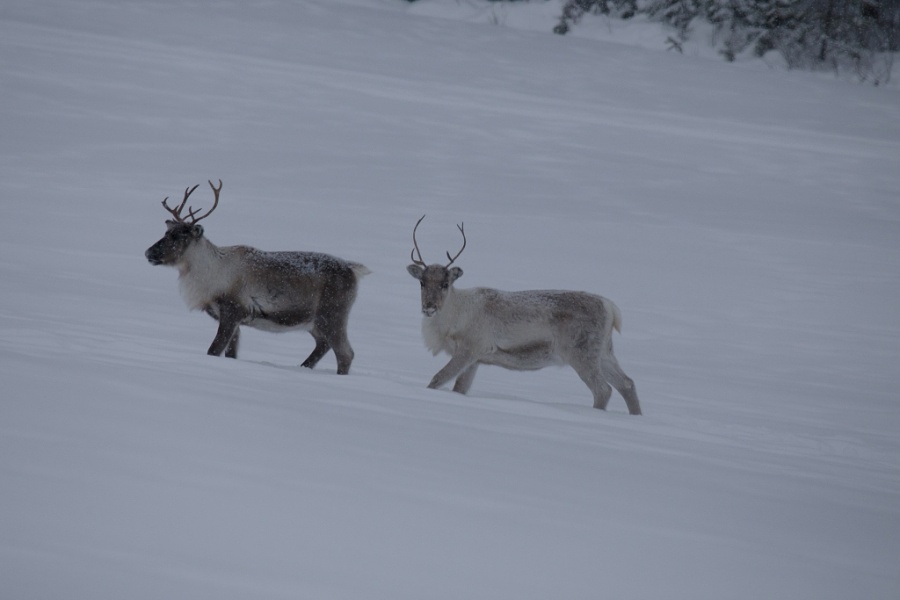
pixel 230 315
pixel 459 363
pixel 232 350
pixel 464 381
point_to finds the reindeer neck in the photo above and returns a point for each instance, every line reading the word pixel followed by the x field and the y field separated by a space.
pixel 456 306
pixel 207 273
pixel 203 255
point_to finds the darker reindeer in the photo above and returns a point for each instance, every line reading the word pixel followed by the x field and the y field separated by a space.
pixel 522 331
pixel 271 291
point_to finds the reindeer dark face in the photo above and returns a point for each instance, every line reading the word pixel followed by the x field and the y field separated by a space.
pixel 437 280
pixel 182 232
pixel 172 246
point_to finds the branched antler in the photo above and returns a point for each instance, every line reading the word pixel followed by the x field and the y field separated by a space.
pixel 192 214
pixel 176 212
pixel 415 250
pixel 216 191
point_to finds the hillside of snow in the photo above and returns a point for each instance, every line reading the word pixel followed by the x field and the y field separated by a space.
pixel 745 220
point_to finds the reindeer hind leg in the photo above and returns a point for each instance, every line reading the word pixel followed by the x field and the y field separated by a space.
pixel 590 373
pixel 343 352
pixel 321 349
pixel 333 317
pixel 331 334
pixel 622 382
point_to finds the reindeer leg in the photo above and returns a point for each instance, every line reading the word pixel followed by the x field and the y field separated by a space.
pixel 589 371
pixel 622 382
pixel 232 350
pixel 230 315
pixel 321 349
pixel 330 332
pixel 457 364
pixel 343 352
pixel 340 343
pixel 464 381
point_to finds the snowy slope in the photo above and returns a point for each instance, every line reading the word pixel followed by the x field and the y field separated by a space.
pixel 745 221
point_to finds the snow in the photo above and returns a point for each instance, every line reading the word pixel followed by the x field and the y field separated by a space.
pixel 744 219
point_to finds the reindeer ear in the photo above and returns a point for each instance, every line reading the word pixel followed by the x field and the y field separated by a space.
pixel 455 273
pixel 416 271
pixel 197 231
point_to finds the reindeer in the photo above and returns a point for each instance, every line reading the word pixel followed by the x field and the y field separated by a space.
pixel 271 291
pixel 521 331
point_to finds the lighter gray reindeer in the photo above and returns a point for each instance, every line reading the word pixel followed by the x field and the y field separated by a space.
pixel 271 291
pixel 522 331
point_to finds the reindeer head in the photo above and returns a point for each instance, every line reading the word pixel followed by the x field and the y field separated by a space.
pixel 437 280
pixel 181 232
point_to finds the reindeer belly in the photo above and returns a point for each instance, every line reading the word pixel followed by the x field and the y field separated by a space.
pixel 276 321
pixel 525 357
pixel 276 326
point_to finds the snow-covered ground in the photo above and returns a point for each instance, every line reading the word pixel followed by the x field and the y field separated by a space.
pixel 746 221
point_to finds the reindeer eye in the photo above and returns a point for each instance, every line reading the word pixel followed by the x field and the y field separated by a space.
pixel 445 285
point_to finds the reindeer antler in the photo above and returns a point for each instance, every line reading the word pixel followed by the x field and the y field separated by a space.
pixel 176 212
pixel 415 250
pixel 216 191
pixel 462 231
pixel 192 215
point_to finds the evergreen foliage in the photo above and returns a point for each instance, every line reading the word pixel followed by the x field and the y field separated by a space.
pixel 857 36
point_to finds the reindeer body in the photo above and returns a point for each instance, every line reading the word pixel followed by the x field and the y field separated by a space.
pixel 522 331
pixel 270 291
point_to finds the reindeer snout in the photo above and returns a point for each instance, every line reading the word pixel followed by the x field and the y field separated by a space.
pixel 152 257
pixel 429 311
